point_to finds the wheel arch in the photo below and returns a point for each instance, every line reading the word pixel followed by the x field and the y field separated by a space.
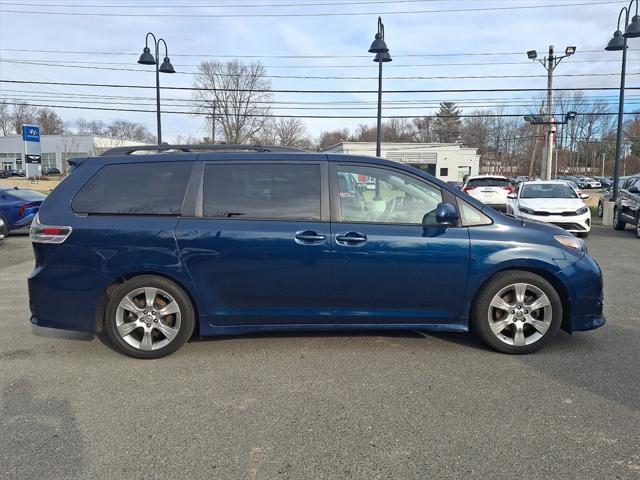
pixel 101 306
pixel 563 293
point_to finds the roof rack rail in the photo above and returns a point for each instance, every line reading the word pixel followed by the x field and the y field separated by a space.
pixel 198 147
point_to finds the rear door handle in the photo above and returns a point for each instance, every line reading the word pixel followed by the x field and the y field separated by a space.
pixel 350 238
pixel 309 236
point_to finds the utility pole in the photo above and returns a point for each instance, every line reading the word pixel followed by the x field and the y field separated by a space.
pixel 550 63
pixel 548 158
pixel 604 156
pixel 535 146
pixel 213 123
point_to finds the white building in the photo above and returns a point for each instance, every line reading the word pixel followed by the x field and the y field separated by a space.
pixel 57 149
pixel 447 161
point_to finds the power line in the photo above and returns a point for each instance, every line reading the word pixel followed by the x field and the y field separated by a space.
pixel 331 77
pixel 442 90
pixel 219 55
pixel 494 115
pixel 251 5
pixel 196 104
pixel 473 102
pixel 393 65
pixel 312 14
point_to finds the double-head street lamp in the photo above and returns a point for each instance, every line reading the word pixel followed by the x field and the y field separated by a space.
pixel 619 42
pixel 550 63
pixel 147 58
pixel 379 47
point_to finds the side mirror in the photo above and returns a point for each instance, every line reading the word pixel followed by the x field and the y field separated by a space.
pixel 512 196
pixel 584 196
pixel 447 214
pixel 634 190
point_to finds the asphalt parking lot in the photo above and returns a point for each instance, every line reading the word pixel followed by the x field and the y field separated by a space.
pixel 365 406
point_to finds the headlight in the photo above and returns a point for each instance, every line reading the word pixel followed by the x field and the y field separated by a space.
pixel 526 210
pixel 571 242
pixel 582 210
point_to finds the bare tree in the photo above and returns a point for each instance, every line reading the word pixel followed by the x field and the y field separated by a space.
pixel 5 118
pixel 237 94
pixel 125 130
pixel 331 138
pixel 423 130
pixel 49 122
pixel 23 114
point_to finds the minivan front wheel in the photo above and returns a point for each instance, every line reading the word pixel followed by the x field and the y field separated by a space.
pixel 149 317
pixel 517 312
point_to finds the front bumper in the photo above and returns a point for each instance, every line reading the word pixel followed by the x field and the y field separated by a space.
pixel 572 223
pixel 585 295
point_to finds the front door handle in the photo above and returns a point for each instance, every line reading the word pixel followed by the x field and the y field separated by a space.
pixel 350 238
pixel 309 236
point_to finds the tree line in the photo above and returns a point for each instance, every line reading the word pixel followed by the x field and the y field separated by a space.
pixel 235 99
pixel 12 117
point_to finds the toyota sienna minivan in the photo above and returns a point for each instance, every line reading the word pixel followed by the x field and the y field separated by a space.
pixel 154 248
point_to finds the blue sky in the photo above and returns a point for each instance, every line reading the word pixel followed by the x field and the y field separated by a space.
pixel 194 37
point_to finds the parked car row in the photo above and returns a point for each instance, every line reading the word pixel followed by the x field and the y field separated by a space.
pixel 582 181
pixel 13 172
pixel 559 202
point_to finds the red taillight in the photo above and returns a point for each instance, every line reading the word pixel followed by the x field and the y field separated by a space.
pixel 21 210
pixel 48 233
pixel 508 188
pixel 467 188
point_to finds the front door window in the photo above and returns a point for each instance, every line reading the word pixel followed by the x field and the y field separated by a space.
pixel 379 195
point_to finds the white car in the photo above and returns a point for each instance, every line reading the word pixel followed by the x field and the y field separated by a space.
pixel 588 182
pixel 491 190
pixel 553 202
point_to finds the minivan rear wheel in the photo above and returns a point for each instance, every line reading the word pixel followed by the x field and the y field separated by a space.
pixel 149 317
pixel 517 312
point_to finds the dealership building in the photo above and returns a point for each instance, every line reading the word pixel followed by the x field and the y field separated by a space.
pixel 57 149
pixel 449 162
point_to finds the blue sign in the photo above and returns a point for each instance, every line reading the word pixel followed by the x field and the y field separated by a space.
pixel 30 133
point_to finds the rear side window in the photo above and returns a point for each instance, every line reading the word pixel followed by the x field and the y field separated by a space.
pixel 488 182
pixel 262 191
pixel 148 188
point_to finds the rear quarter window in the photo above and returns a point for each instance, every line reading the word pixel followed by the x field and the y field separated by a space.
pixel 146 188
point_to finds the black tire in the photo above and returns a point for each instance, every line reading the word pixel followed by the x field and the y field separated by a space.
pixel 600 209
pixel 481 322
pixel 185 319
pixel 638 225
pixel 618 224
pixel 583 234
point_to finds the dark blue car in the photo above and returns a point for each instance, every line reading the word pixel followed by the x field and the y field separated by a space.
pixel 227 240
pixel 18 207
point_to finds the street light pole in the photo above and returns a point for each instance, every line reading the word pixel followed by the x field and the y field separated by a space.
pixel 379 47
pixel 619 42
pixel 147 58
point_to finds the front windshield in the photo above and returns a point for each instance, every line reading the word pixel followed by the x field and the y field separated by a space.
pixel 547 190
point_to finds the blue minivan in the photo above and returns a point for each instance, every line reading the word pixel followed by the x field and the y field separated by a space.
pixel 222 240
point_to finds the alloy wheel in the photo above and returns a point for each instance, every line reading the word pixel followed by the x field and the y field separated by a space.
pixel 148 318
pixel 520 314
